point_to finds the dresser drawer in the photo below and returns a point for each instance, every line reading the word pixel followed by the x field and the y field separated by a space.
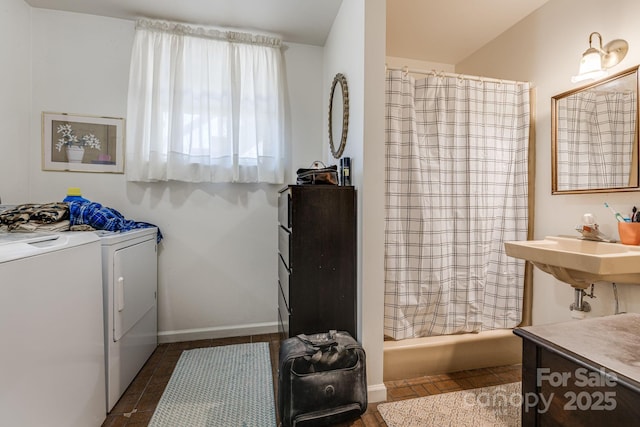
pixel 283 278
pixel 282 303
pixel 283 313
pixel 284 240
pixel 283 325
pixel 284 208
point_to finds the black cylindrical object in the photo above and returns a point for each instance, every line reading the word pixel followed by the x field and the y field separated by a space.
pixel 345 171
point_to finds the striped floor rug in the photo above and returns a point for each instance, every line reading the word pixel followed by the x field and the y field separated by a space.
pixel 228 386
pixel 481 407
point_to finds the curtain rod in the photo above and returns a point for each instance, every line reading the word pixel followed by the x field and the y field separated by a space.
pixel 446 74
pixel 207 32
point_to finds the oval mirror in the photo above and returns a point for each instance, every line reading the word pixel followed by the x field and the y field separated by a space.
pixel 338 115
pixel 594 136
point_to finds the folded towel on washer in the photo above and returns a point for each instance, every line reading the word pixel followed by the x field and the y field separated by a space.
pixel 103 218
pixel 31 226
pixel 34 216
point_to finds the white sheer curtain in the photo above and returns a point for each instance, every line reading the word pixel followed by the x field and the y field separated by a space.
pixel 204 106
pixel 456 190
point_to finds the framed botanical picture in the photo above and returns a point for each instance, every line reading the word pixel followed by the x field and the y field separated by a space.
pixel 82 143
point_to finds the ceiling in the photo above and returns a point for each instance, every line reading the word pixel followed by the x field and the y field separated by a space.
pixel 297 21
pixel 444 31
pixel 447 31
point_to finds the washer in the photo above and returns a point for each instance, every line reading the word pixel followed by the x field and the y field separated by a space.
pixel 130 285
pixel 52 362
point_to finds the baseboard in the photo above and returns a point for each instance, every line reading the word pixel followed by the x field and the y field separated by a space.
pixel 377 393
pixel 217 332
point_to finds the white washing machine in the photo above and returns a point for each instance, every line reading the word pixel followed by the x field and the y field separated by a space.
pixel 51 325
pixel 130 285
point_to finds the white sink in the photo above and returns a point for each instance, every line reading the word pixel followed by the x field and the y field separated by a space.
pixel 580 262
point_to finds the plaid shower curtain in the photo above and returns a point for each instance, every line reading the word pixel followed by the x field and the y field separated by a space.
pixel 599 128
pixel 456 190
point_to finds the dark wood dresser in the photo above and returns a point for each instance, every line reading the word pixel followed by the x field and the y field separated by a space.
pixel 582 373
pixel 317 259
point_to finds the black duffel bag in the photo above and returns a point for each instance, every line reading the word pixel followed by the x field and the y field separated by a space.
pixel 318 173
pixel 321 380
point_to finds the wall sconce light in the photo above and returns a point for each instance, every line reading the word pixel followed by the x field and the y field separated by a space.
pixel 596 60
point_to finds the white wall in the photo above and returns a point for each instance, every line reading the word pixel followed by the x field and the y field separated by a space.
pixel 217 263
pixel 355 47
pixel 545 48
pixel 373 197
pixel 15 90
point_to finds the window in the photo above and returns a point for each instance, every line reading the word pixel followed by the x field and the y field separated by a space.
pixel 204 106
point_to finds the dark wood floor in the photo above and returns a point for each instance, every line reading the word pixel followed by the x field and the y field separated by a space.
pixel 136 406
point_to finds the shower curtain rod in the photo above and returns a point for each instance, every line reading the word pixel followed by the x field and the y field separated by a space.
pixel 446 74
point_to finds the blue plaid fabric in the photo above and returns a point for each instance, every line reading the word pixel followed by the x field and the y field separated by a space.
pixel 103 218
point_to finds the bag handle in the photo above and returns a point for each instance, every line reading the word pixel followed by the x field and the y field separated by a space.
pixel 327 350
pixel 316 165
pixel 320 343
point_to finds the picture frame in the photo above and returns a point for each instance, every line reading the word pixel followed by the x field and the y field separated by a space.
pixel 78 143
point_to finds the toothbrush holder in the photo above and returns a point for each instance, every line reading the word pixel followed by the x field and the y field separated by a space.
pixel 629 233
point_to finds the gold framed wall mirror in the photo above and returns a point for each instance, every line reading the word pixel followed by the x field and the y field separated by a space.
pixel 338 115
pixel 594 136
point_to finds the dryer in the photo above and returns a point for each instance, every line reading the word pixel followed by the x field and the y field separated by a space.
pixel 130 285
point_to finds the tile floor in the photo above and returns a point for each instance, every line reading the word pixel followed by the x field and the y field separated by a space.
pixel 136 406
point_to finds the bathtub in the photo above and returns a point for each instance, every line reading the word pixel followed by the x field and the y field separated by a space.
pixel 416 357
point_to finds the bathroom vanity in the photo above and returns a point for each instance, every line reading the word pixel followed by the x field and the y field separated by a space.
pixel 582 373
